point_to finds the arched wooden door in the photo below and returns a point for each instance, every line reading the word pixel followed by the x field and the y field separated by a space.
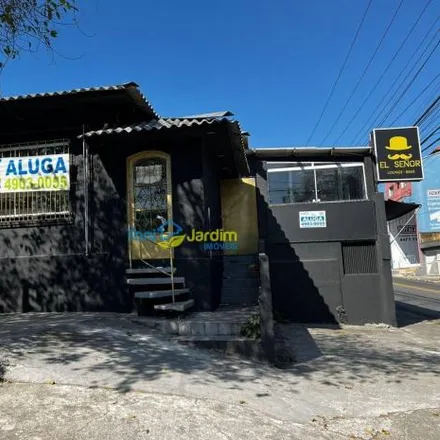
pixel 149 199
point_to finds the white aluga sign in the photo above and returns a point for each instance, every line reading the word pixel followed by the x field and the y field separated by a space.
pixel 312 219
pixel 34 173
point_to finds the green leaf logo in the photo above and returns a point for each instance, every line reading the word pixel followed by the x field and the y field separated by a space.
pixel 173 242
pixel 177 240
pixel 164 244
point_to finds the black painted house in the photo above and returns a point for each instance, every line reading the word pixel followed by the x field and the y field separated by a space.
pixel 103 203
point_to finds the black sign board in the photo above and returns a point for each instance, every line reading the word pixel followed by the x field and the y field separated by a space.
pixel 398 155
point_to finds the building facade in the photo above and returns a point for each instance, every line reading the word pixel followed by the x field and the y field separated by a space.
pixel 425 223
pixel 96 189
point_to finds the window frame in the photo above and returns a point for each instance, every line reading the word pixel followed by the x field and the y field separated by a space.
pixel 131 164
pixel 50 216
pixel 315 166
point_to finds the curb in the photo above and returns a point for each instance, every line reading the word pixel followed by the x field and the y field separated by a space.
pixel 415 281
pixel 418 310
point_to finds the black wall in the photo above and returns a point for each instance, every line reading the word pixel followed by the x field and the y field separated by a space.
pixel 50 268
pixel 338 273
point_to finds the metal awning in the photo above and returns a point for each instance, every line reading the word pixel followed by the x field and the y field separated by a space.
pixel 395 210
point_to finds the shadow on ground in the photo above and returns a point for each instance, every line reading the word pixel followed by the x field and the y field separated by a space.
pixel 99 345
pixel 410 314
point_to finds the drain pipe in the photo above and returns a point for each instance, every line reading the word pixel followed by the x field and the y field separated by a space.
pixel 86 191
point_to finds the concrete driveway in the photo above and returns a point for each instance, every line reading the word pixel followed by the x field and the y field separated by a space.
pixel 74 376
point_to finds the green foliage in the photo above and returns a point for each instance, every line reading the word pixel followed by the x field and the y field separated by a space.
pixel 27 24
pixel 251 329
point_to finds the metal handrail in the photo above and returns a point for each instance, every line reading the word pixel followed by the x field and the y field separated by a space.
pixel 171 275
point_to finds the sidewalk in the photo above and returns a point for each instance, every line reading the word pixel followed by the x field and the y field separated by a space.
pixel 43 412
pixel 353 380
pixel 434 279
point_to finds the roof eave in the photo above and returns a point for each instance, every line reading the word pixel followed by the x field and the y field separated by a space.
pixel 309 151
pixel 130 88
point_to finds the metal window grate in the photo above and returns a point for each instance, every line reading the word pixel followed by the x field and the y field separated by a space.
pixel 359 258
pixel 34 207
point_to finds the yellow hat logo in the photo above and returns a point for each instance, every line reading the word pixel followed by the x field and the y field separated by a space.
pixel 399 144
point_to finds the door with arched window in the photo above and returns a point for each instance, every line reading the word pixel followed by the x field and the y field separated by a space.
pixel 149 203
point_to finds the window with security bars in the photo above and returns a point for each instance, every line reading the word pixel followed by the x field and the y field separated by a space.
pixel 34 183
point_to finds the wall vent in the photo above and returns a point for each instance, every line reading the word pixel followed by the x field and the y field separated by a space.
pixel 359 258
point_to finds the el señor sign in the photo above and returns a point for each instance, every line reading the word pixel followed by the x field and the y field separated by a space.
pixel 398 154
pixel 34 173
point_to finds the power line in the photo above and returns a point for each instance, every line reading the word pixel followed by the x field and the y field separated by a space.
pixel 414 100
pixel 410 84
pixel 431 144
pixel 381 76
pixel 432 121
pixel 427 111
pixel 428 101
pixel 430 135
pixel 428 157
pixel 340 70
pixel 380 107
pixel 396 101
pixel 378 123
pixel 365 71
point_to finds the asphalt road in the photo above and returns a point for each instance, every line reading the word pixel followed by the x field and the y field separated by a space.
pixel 418 297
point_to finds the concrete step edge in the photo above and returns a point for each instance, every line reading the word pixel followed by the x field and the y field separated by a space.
pixel 151 281
pixel 149 270
pixel 151 294
pixel 178 306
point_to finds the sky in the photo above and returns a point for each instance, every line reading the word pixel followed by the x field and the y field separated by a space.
pixel 272 63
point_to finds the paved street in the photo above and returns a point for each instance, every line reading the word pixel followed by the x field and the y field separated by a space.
pixel 417 296
pixel 101 376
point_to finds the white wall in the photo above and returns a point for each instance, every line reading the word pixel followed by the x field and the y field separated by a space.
pixel 404 243
pixel 432 261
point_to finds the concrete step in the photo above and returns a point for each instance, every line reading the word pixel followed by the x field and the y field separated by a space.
pixel 151 281
pixel 159 293
pixel 149 271
pixel 227 323
pixel 250 348
pixel 179 306
pixel 187 327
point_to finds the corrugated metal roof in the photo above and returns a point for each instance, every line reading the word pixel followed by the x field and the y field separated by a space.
pixel 70 92
pixel 242 141
pixel 221 114
pixel 132 89
pixel 156 124
pixel 167 123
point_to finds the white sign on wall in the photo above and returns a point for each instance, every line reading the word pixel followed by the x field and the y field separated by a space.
pixel 312 219
pixel 34 173
pixel 404 242
pixel 433 199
